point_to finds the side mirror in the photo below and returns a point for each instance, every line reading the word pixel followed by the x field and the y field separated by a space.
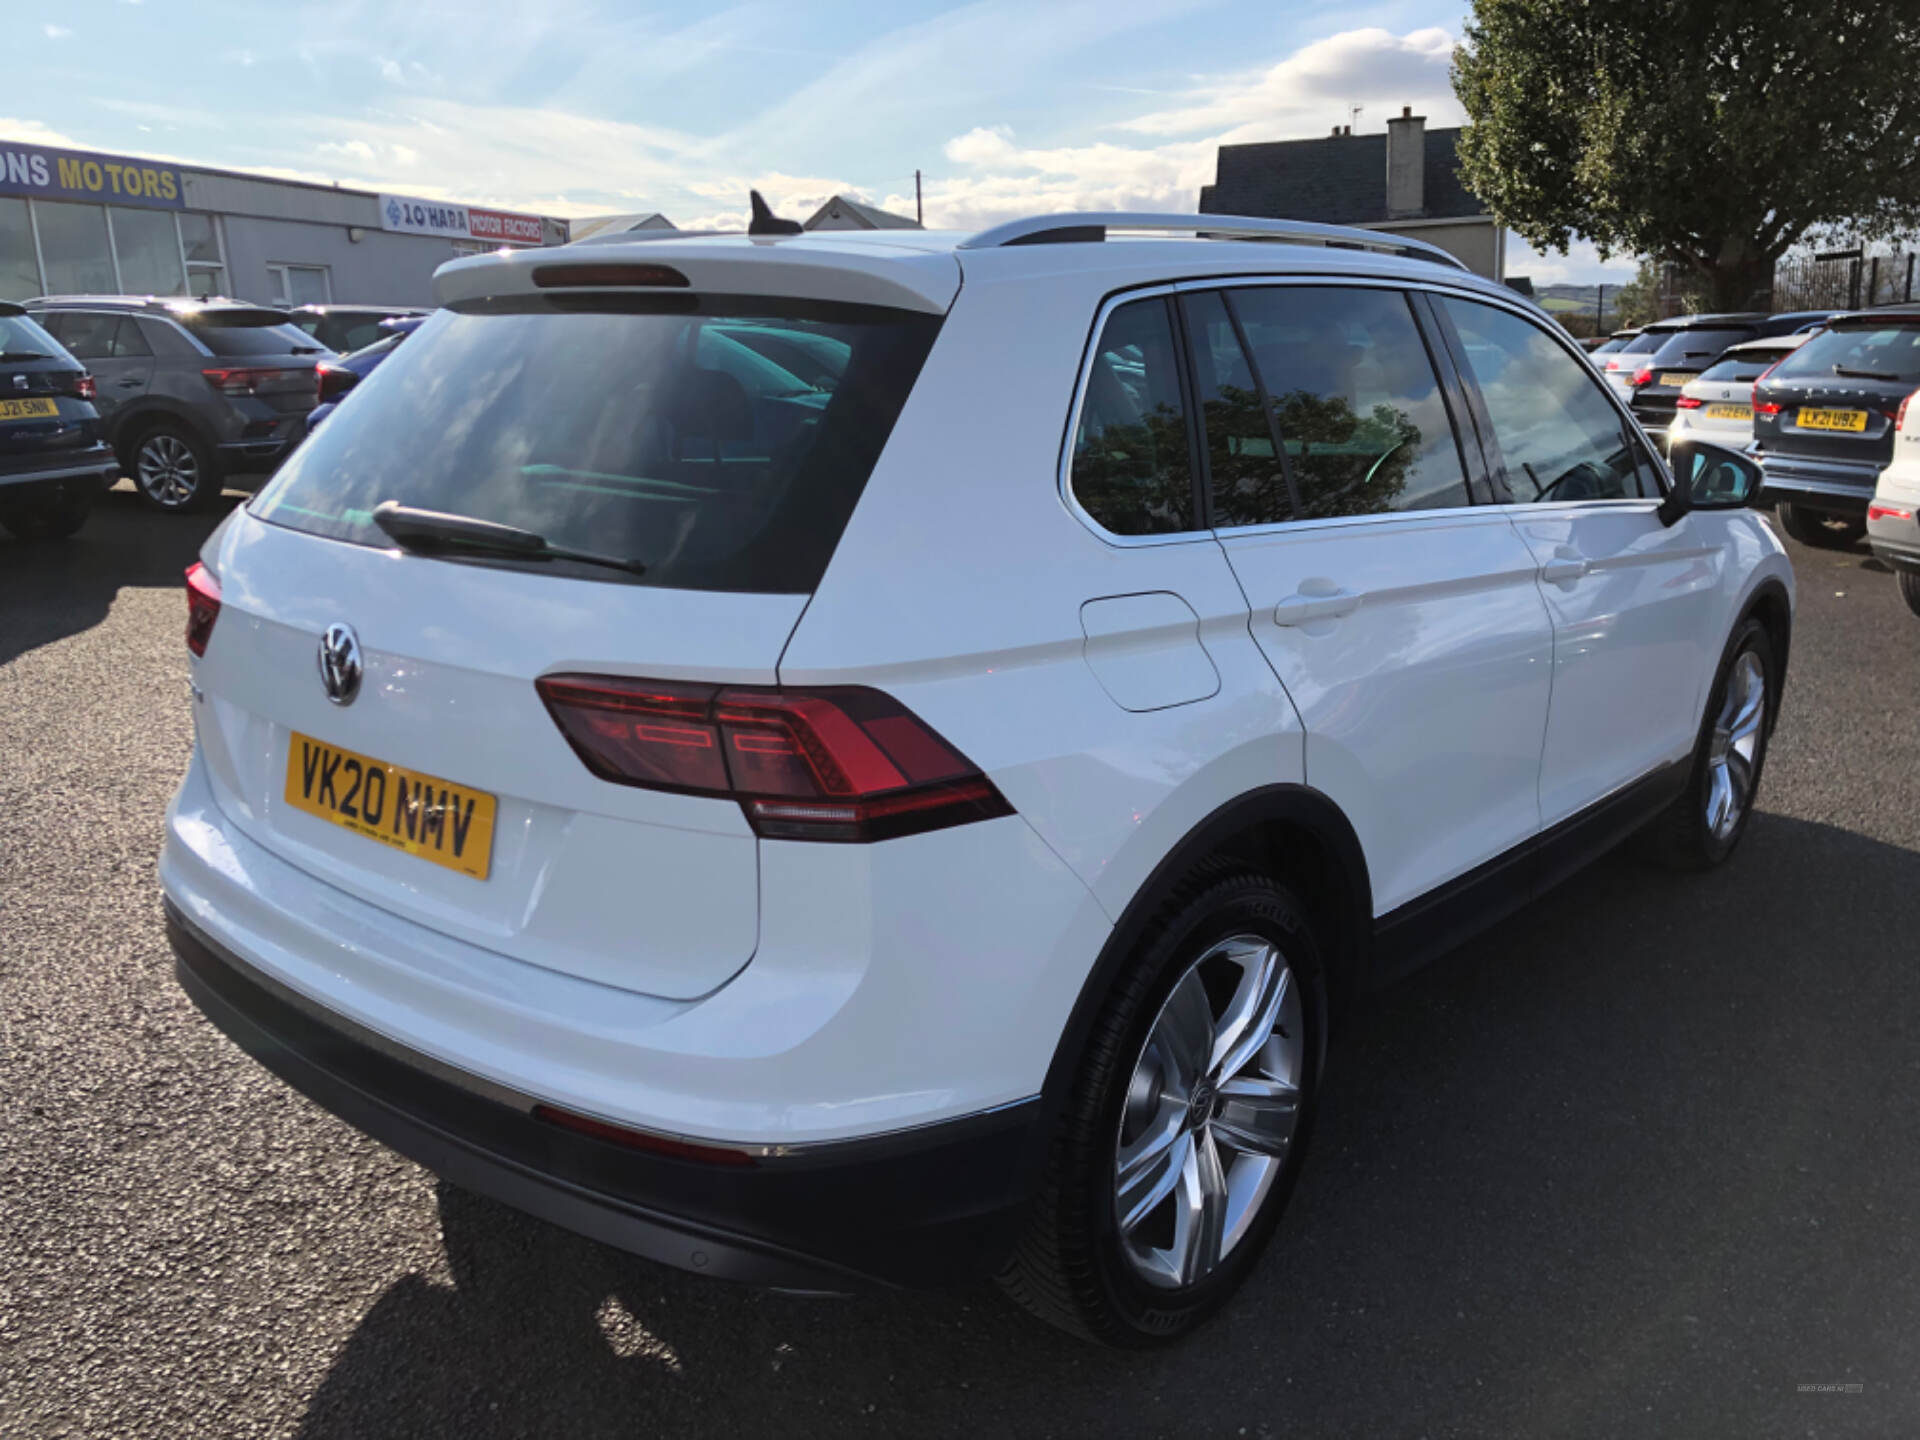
pixel 1708 477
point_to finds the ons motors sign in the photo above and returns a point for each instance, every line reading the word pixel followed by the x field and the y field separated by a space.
pixel 458 222
pixel 48 174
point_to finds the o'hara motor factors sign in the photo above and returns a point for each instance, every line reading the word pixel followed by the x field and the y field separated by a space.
pixel 47 174
pixel 458 222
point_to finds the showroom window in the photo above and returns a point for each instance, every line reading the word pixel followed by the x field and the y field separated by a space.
pixel 300 284
pixel 51 247
pixel 74 250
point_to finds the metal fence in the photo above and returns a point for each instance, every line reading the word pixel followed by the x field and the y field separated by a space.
pixel 1843 280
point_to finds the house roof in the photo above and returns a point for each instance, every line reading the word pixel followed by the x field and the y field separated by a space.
pixel 617 224
pixel 867 217
pixel 1336 179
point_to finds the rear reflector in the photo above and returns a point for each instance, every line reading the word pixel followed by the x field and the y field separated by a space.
pixel 641 1139
pixel 844 764
pixel 203 606
pixel 549 277
pixel 1877 511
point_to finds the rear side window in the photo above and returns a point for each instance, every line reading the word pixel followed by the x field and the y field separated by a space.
pixel 1557 435
pixel 1869 352
pixel 1132 467
pixel 88 334
pixel 646 432
pixel 1353 394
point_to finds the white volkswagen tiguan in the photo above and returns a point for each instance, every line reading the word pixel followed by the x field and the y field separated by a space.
pixel 843 758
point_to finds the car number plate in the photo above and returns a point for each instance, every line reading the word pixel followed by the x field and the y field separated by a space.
pixel 29 410
pixel 1729 412
pixel 423 815
pixel 1832 419
pixel 1675 378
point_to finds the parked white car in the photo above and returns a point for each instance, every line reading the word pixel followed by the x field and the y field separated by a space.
pixel 1893 515
pixel 845 757
pixel 1717 404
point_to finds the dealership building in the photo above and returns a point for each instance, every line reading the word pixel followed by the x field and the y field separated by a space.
pixel 76 222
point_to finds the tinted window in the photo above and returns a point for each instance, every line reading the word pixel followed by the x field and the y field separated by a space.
pixel 1355 399
pixel 612 432
pixel 1890 350
pixel 224 338
pixel 1132 470
pixel 127 339
pixel 1606 347
pixel 1736 368
pixel 21 338
pixel 1646 342
pixel 1558 437
pixel 87 333
pixel 1249 486
pixel 1694 348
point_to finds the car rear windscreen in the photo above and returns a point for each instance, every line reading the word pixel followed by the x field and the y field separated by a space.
pixel 661 430
pixel 1865 351
pixel 21 339
pixel 1695 348
pixel 1736 368
pixel 249 337
pixel 1646 342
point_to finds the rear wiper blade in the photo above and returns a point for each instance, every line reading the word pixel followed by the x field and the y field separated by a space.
pixel 1852 374
pixel 432 532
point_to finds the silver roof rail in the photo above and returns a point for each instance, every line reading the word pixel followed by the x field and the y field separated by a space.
pixel 1095 225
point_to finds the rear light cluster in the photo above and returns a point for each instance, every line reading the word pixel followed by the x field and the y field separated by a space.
pixel 203 606
pixel 331 382
pixel 1900 415
pixel 81 387
pixel 1879 510
pixel 1642 377
pixel 246 380
pixel 844 764
pixel 1687 402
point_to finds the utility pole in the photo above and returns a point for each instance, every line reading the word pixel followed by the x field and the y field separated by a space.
pixel 919 213
pixel 1600 311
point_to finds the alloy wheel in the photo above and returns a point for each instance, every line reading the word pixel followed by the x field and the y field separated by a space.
pixel 167 471
pixel 1733 751
pixel 1210 1111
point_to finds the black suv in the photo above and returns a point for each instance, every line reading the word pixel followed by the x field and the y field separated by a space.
pixel 347 328
pixel 1687 345
pixel 53 461
pixel 191 391
pixel 1823 420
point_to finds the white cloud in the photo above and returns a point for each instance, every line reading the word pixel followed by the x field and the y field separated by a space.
pixel 32 132
pixel 55 32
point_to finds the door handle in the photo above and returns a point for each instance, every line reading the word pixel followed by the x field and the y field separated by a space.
pixel 131 384
pixel 1566 566
pixel 1316 601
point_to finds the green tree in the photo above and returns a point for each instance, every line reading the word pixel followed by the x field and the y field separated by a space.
pixel 1711 133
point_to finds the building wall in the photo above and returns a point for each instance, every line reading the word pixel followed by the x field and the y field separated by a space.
pixel 1479 243
pixel 380 268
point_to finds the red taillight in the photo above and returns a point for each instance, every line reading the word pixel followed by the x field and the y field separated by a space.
pixel 1900 416
pixel 1643 377
pixel 1878 511
pixel 1687 402
pixel 641 1139
pixel 245 380
pixel 843 764
pixel 203 606
pixel 83 387
pixel 331 382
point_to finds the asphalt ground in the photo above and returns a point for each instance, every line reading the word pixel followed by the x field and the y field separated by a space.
pixel 1642 1161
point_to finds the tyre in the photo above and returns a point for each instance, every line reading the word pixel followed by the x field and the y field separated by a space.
pixel 47 519
pixel 173 468
pixel 1909 581
pixel 1172 1159
pixel 1816 527
pixel 1704 825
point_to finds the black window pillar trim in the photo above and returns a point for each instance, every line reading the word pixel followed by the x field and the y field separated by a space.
pixel 1491 458
pixel 1466 433
pixel 1266 404
pixel 1199 467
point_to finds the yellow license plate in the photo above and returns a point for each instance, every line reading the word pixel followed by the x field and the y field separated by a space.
pixel 1833 419
pixel 29 410
pixel 1729 412
pixel 420 814
pixel 1674 378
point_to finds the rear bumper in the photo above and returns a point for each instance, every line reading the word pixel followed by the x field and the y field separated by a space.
pixel 85 473
pixel 927 1206
pixel 1840 487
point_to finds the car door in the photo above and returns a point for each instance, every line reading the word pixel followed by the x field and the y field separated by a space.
pixel 1635 603
pixel 112 349
pixel 1403 620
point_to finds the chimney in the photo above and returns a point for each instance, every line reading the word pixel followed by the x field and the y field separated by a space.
pixel 1406 165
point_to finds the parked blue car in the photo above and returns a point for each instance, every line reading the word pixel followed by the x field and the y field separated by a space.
pixel 336 377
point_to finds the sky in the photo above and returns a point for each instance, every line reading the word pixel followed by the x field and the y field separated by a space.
pixel 577 107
